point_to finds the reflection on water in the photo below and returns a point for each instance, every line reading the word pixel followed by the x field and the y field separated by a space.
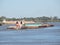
pixel 42 36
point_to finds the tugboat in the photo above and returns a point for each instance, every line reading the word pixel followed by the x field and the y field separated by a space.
pixel 17 26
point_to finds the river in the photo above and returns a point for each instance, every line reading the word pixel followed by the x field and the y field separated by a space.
pixel 41 36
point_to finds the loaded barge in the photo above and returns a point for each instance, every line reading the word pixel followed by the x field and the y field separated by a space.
pixel 31 26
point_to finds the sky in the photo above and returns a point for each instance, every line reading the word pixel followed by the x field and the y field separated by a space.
pixel 29 8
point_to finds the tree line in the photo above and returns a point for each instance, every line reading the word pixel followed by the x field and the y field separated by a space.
pixel 36 19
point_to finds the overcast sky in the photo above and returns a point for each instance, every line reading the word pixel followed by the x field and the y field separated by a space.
pixel 29 8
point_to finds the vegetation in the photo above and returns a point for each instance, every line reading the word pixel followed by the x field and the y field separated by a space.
pixel 37 19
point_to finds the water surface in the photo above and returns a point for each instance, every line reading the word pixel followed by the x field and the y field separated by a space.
pixel 41 36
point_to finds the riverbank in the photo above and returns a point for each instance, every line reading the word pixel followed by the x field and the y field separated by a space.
pixel 14 22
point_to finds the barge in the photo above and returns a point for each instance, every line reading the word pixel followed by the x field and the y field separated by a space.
pixel 31 26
